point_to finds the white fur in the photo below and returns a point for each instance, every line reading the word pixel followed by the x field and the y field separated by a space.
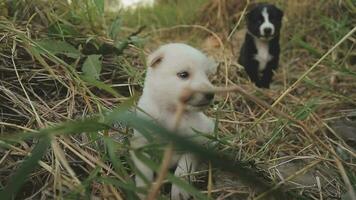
pixel 266 23
pixel 263 56
pixel 161 94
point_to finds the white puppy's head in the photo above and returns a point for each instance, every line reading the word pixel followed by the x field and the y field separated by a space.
pixel 174 67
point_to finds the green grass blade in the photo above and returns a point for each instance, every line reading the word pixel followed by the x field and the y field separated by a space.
pixel 248 176
pixel 120 184
pixel 92 66
pixel 174 180
pixel 147 128
pixel 99 6
pixel 111 149
pixel 19 178
pixel 58 47
pixel 101 85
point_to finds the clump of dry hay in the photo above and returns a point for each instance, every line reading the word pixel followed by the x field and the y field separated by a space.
pixel 221 14
pixel 36 91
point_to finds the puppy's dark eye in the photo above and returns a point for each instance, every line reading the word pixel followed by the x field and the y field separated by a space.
pixel 183 75
pixel 272 18
pixel 260 20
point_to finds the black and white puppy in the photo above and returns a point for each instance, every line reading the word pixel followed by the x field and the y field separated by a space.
pixel 260 51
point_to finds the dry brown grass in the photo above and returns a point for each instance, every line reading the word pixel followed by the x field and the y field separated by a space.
pixel 305 154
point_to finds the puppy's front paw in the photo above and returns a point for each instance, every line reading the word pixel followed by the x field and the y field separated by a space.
pixel 179 194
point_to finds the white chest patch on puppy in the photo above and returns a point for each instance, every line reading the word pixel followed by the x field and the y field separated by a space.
pixel 263 56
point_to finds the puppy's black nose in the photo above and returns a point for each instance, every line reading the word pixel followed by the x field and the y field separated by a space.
pixel 209 96
pixel 268 31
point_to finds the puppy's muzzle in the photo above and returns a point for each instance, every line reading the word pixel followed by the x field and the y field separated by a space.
pixel 209 96
pixel 267 32
pixel 197 99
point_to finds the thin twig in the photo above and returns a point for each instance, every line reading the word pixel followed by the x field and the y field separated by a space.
pixel 238 22
pixel 210 181
pixel 346 179
pixel 22 86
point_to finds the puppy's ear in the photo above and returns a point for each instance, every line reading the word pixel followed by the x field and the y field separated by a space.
pixel 280 13
pixel 212 66
pixel 154 59
pixel 250 8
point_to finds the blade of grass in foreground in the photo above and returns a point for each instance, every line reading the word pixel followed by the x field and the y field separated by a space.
pixel 120 168
pixel 173 179
pixel 121 115
pixel 220 160
pixel 19 178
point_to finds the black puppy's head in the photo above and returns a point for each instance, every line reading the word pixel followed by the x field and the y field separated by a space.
pixel 264 21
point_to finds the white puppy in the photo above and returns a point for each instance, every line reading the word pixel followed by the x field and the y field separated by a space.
pixel 171 69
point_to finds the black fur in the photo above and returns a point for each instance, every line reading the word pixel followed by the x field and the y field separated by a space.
pixel 249 50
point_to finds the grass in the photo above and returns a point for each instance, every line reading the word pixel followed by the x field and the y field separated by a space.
pixel 70 72
pixel 163 15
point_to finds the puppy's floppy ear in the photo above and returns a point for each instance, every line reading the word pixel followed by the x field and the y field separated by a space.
pixel 155 59
pixel 279 13
pixel 212 66
pixel 249 9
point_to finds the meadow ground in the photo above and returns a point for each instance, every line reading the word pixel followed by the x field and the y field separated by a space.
pixel 69 72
